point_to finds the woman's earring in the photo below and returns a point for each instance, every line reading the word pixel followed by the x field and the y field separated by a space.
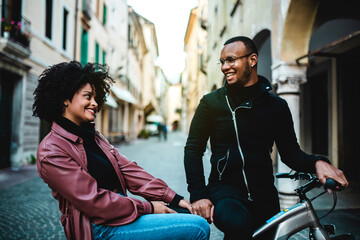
pixel 252 66
pixel 66 105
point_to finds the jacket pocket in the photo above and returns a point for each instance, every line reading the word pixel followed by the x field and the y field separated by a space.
pixel 221 164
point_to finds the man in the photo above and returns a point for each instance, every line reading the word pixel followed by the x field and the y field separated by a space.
pixel 243 120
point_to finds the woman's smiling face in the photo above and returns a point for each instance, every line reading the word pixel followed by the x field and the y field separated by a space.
pixel 83 107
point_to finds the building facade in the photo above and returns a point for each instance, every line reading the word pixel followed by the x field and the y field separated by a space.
pixel 103 38
pixel 174 106
pixel 29 44
pixel 194 77
pixel 38 34
pixel 149 97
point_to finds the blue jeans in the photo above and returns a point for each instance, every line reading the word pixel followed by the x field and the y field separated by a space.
pixel 157 226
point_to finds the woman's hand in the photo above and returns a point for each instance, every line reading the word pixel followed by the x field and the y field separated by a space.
pixel 185 204
pixel 161 207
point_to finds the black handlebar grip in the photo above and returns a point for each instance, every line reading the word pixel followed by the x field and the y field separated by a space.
pixel 292 174
pixel 333 185
pixel 282 175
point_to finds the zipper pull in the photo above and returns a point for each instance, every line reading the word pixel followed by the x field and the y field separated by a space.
pixel 220 177
pixel 249 197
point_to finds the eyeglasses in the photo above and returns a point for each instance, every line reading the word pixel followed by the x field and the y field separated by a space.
pixel 231 60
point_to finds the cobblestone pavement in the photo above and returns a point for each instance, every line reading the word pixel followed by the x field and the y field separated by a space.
pixel 28 210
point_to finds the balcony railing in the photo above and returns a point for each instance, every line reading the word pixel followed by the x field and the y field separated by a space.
pixel 16 31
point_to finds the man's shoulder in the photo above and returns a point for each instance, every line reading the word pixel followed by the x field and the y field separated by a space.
pixel 218 93
pixel 275 98
pixel 275 102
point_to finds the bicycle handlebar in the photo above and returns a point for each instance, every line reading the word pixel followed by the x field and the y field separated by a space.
pixel 329 184
pixel 295 175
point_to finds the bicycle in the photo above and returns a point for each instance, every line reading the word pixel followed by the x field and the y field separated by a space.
pixel 302 215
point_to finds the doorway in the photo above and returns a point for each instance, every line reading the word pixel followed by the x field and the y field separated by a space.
pixel 316 109
pixel 349 114
pixel 7 83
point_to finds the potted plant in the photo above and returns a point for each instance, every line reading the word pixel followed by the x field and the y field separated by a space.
pixel 13 30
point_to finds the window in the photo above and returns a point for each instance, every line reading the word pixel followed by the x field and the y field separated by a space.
pixel 65 20
pixel 104 14
pixel 48 18
pixel 129 36
pixel 84 47
pixel 113 120
pixel 97 49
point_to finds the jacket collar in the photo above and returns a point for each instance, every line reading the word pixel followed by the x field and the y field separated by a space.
pixel 62 132
pixel 265 86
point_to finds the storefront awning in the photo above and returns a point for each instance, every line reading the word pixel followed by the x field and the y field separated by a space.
pixel 123 94
pixel 110 101
pixel 154 118
pixel 336 48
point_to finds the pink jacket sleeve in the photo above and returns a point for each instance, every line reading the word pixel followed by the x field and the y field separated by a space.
pixel 65 176
pixel 142 183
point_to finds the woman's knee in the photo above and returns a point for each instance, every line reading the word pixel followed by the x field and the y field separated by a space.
pixel 160 226
pixel 200 227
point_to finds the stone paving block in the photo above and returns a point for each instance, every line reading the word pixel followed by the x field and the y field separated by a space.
pixel 28 211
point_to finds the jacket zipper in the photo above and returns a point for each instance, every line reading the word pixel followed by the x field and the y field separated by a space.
pixel 218 164
pixel 239 147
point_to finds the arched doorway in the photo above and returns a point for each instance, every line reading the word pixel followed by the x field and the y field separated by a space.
pixel 330 118
pixel 263 43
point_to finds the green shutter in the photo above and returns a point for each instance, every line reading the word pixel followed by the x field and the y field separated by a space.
pixel 103 57
pixel 84 47
pixel 97 49
pixel 104 14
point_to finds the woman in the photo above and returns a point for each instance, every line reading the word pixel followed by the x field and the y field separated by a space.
pixel 89 177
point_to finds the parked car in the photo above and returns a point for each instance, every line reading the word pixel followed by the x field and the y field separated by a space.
pixel 152 127
pixel 152 122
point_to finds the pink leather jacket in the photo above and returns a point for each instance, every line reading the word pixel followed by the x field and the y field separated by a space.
pixel 62 164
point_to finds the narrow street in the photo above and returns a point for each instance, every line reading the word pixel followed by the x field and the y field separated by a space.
pixel 28 211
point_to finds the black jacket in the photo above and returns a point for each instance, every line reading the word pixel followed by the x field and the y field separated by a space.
pixel 260 120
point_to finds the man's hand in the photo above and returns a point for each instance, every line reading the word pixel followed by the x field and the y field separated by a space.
pixel 161 207
pixel 325 170
pixel 204 208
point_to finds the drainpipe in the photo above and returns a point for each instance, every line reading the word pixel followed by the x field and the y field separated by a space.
pixel 75 30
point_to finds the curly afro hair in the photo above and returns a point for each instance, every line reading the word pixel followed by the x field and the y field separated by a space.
pixel 61 81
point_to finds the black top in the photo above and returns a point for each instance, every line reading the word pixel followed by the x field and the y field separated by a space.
pixel 99 166
pixel 239 94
